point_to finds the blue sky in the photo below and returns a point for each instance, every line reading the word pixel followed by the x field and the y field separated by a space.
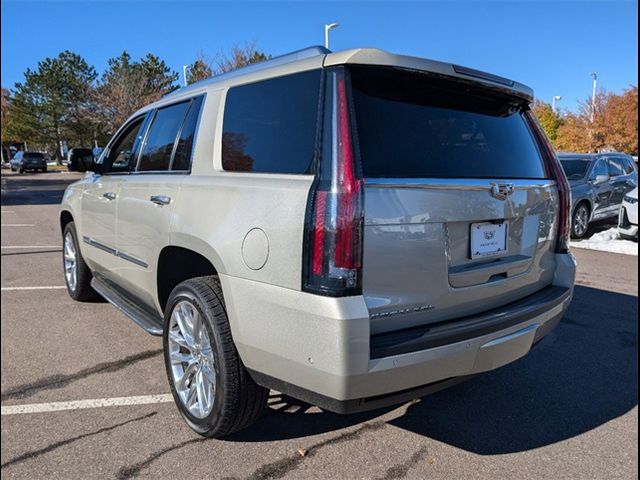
pixel 551 46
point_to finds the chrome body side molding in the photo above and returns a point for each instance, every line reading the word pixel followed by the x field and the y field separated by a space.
pixel 114 251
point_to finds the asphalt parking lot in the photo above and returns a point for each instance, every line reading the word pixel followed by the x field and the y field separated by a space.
pixel 567 410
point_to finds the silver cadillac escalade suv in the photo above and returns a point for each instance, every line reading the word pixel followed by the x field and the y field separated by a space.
pixel 353 229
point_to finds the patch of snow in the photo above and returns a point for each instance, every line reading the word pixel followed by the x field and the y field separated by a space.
pixel 607 241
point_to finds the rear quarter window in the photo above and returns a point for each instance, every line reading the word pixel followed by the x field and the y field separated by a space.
pixel 628 166
pixel 413 126
pixel 270 126
pixel 615 167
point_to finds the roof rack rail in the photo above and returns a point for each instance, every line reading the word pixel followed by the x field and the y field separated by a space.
pixel 256 67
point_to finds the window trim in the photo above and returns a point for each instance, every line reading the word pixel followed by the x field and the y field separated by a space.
pixel 191 101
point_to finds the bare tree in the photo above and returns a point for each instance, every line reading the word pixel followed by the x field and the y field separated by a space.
pixel 200 69
pixel 224 61
pixel 238 56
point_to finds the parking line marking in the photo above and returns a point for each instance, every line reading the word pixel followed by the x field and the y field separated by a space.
pixel 31 246
pixel 44 287
pixel 17 225
pixel 84 404
pixel 7 211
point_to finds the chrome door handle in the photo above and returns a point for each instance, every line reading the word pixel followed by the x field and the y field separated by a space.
pixel 160 199
pixel 110 196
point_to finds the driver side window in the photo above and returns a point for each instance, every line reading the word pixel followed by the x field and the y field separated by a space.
pixel 123 153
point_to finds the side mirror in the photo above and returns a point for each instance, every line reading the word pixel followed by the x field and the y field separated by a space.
pixel 83 163
pixel 90 164
pixel 599 179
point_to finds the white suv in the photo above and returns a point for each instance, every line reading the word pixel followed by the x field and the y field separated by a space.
pixel 354 229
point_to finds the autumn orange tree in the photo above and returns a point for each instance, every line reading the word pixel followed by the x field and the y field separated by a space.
pixel 609 123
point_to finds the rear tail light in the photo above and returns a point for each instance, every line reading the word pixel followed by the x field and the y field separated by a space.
pixel 333 234
pixel 564 189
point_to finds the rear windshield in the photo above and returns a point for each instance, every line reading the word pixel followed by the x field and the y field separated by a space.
pixel 34 155
pixel 575 169
pixel 414 126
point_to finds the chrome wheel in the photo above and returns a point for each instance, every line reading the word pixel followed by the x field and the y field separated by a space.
pixel 580 221
pixel 70 261
pixel 192 362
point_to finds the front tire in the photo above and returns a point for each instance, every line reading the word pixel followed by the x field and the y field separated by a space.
pixel 77 275
pixel 211 387
pixel 580 221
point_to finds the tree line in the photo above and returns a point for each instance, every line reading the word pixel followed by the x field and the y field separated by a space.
pixel 610 123
pixel 64 101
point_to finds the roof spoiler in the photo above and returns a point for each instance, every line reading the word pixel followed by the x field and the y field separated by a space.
pixel 375 57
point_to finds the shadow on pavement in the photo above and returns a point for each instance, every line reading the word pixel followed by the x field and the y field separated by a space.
pixel 597 227
pixel 578 378
pixel 33 189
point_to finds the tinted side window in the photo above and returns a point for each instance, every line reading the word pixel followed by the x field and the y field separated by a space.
pixel 158 146
pixel 270 126
pixel 615 167
pixel 600 168
pixel 182 157
pixel 122 151
pixel 628 166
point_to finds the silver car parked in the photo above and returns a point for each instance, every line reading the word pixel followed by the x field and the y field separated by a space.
pixel 354 229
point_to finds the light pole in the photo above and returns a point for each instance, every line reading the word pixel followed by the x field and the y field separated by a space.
pixel 555 99
pixel 184 75
pixel 594 75
pixel 328 27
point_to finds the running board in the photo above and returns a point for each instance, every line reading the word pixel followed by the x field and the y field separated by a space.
pixel 141 315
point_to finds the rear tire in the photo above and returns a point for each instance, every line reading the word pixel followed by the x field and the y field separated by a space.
pixel 77 275
pixel 210 385
pixel 580 221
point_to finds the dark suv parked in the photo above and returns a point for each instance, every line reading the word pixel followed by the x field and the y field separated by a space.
pixel 24 161
pixel 599 182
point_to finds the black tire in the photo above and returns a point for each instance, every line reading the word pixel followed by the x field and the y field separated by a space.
pixel 82 292
pixel 21 171
pixel 238 401
pixel 580 215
